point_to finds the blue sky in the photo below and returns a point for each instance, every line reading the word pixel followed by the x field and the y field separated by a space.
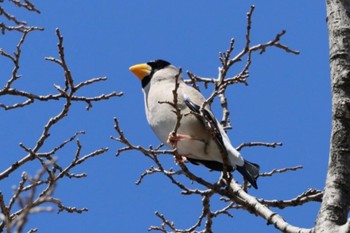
pixel 287 100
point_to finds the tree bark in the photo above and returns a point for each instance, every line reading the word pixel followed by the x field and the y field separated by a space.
pixel 333 214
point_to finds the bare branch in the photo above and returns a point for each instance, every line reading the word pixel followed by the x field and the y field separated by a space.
pixel 227 61
pixel 308 196
pixel 276 220
pixel 19 25
pixel 250 144
pixel 282 170
pixel 33 192
pixel 165 223
pixel 26 4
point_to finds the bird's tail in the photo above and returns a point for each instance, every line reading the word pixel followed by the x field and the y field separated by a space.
pixel 250 171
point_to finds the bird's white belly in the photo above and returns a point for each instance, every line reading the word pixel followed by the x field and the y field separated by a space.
pixel 192 148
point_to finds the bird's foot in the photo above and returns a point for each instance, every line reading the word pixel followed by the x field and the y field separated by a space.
pixel 174 138
pixel 179 159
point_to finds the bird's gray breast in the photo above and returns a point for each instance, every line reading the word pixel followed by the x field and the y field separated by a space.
pixel 161 115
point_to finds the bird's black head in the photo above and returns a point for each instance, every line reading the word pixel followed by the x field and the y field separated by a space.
pixel 155 65
pixel 158 64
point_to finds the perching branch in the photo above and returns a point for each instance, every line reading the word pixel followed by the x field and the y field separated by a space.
pixel 226 188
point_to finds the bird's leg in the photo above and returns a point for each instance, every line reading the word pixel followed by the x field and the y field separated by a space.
pixel 174 138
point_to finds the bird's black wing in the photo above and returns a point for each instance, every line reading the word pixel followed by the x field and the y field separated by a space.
pixel 213 165
pixel 207 118
pixel 250 171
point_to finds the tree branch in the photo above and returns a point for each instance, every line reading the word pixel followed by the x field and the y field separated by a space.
pixel 334 212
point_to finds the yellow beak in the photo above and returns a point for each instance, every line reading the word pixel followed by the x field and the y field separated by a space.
pixel 141 70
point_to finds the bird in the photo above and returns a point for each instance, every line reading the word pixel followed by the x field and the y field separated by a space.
pixel 200 136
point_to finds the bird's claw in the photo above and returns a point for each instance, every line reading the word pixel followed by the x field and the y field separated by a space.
pixel 173 138
pixel 179 159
